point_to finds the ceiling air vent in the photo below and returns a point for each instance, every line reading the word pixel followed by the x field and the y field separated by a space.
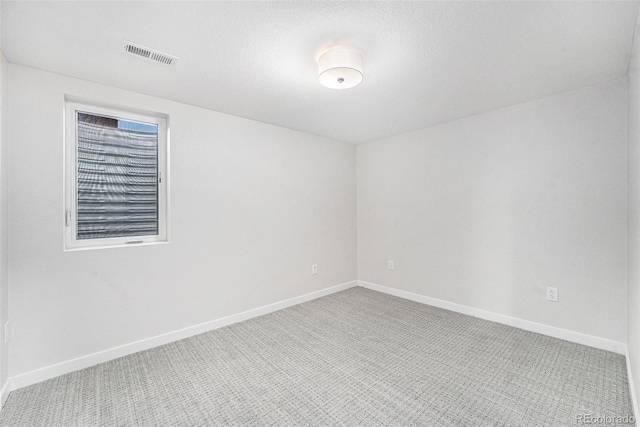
pixel 151 54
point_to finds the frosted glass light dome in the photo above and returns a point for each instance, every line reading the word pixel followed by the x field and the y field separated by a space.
pixel 340 68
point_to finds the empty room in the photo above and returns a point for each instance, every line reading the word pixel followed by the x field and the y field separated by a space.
pixel 319 213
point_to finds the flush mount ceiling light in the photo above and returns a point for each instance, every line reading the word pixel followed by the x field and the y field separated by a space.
pixel 340 68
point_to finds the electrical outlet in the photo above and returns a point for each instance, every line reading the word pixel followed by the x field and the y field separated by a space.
pixel 552 294
pixel 314 269
pixel 391 265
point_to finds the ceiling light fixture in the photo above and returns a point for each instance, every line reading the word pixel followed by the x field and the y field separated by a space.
pixel 340 68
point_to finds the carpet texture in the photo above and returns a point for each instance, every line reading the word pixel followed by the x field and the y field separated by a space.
pixel 357 357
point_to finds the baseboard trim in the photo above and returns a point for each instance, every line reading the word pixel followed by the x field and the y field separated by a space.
pixel 552 331
pixel 4 392
pixel 632 388
pixel 68 366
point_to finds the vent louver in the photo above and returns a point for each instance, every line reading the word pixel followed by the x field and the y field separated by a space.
pixel 151 54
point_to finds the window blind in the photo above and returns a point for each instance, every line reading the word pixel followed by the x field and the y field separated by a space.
pixel 117 177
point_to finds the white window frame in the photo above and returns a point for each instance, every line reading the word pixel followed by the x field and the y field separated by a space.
pixel 70 175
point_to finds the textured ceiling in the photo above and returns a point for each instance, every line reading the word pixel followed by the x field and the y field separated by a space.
pixel 425 62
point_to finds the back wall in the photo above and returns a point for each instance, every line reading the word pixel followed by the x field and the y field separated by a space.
pixel 489 211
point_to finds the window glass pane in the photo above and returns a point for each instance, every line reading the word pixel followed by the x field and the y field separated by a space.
pixel 117 177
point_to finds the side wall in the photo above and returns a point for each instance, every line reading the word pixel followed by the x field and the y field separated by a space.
pixel 633 216
pixel 4 229
pixel 253 206
pixel 4 238
pixel 488 211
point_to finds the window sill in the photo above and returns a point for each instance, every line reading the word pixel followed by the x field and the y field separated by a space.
pixel 124 245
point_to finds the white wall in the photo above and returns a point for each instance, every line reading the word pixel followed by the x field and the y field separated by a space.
pixel 489 210
pixel 4 254
pixel 252 207
pixel 633 215
pixel 4 230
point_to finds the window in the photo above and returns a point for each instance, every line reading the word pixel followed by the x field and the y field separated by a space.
pixel 115 177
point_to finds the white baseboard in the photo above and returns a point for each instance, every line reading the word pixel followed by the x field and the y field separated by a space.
pixel 4 392
pixel 68 366
pixel 552 331
pixel 632 387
